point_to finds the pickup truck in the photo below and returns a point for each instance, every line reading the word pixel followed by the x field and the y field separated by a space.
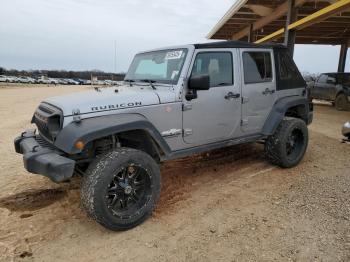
pixel 333 87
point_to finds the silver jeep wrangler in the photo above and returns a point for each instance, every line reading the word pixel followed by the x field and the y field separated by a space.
pixel 174 102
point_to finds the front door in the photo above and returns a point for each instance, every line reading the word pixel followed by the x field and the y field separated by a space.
pixel 258 88
pixel 216 113
pixel 320 88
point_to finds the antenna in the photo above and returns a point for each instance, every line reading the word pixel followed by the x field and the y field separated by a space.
pixel 115 56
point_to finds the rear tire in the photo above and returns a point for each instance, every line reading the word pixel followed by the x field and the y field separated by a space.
pixel 341 102
pixel 121 188
pixel 287 146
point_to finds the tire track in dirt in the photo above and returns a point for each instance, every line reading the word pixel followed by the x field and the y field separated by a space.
pixel 183 176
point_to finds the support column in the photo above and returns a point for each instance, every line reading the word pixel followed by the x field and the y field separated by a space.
pixel 289 35
pixel 342 57
pixel 251 34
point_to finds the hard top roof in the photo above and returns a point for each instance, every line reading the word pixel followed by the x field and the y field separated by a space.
pixel 236 44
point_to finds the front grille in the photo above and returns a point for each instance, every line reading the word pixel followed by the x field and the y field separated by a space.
pixel 48 121
pixel 43 143
pixel 43 128
pixel 46 109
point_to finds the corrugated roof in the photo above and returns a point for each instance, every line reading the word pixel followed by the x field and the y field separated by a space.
pixel 268 16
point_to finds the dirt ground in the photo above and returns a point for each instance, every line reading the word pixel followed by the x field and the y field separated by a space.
pixel 227 205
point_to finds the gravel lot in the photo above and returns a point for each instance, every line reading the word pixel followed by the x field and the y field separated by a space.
pixel 226 205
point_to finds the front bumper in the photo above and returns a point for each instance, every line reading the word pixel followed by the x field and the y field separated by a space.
pixel 42 159
pixel 310 116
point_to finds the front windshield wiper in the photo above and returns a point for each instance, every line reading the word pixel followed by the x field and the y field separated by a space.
pixel 129 81
pixel 151 83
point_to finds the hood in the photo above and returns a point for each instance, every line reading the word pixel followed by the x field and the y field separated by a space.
pixel 112 98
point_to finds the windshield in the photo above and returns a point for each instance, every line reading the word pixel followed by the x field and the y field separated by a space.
pixel 159 66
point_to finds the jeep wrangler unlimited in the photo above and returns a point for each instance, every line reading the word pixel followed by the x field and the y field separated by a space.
pixel 174 102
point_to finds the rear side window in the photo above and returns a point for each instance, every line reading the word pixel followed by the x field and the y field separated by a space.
pixel 257 67
pixel 287 73
pixel 218 65
pixel 287 70
pixel 346 80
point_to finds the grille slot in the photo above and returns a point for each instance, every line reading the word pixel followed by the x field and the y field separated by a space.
pixel 48 120
pixel 43 143
pixel 45 109
pixel 43 128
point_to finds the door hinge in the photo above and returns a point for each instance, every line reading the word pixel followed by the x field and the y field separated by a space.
pixel 245 100
pixel 187 132
pixel 244 122
pixel 186 107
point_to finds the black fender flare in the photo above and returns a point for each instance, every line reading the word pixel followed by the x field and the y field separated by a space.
pixel 279 110
pixel 90 129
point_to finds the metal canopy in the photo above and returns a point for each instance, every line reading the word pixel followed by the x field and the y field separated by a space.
pixel 315 21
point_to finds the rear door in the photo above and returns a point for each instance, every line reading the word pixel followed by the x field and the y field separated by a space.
pixel 258 88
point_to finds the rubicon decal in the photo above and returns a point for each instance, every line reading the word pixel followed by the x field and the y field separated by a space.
pixel 116 106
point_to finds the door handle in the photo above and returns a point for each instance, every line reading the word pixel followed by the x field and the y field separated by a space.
pixel 268 91
pixel 231 95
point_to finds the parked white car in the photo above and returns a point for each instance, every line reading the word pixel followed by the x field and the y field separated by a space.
pixel 3 78
pixel 53 81
pixel 25 80
pixel 11 79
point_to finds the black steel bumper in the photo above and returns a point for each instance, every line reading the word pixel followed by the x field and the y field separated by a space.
pixel 310 115
pixel 39 159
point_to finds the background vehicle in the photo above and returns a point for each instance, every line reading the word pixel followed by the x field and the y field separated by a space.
pixel 3 78
pixel 62 81
pixel 11 79
pixel 174 102
pixel 333 87
pixel 53 81
pixel 25 80
pixel 79 81
pixel 71 81
pixel 346 131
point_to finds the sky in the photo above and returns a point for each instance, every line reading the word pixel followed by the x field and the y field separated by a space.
pixel 81 34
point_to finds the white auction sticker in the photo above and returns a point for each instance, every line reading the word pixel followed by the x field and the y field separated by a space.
pixel 173 55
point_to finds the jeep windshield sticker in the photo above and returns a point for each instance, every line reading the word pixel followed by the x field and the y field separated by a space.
pixel 173 55
pixel 116 106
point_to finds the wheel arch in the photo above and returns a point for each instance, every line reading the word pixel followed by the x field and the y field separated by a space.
pixel 298 107
pixel 338 93
pixel 128 125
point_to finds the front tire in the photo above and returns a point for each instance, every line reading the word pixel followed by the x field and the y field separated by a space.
pixel 287 146
pixel 341 102
pixel 121 188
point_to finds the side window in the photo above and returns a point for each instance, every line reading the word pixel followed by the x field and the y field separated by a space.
pixel 257 67
pixel 322 79
pixel 218 65
pixel 287 69
pixel 346 80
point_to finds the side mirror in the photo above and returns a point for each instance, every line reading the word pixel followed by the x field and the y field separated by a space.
pixel 199 82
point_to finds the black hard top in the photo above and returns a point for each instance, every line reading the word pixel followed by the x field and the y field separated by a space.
pixel 236 44
pixel 336 73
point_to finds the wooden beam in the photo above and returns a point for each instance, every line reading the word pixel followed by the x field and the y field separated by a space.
pixel 316 17
pixel 251 34
pixel 277 13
